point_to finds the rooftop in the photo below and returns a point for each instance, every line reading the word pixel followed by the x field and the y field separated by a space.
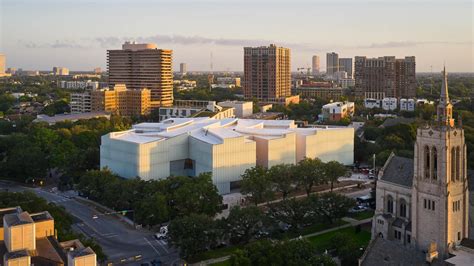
pixel 398 170
pixel 15 219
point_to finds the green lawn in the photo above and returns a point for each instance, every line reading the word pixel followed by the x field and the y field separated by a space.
pixel 323 241
pixel 362 215
pixel 212 254
pixel 223 263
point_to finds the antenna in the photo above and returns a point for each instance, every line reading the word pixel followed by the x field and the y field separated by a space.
pixel 210 77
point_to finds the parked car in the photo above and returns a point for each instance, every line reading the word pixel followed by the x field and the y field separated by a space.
pixel 358 208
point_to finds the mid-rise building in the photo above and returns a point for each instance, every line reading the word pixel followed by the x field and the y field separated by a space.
pixel 267 72
pixel 60 71
pixel 242 109
pixel 80 102
pixel 183 69
pixel 332 63
pixel 184 84
pixel 345 64
pixel 325 93
pixel 385 77
pixel 30 239
pixel 122 101
pixel 140 66
pixel 422 204
pixel 316 65
pixel 337 110
pixel 224 147
pixel 347 83
pixel 79 84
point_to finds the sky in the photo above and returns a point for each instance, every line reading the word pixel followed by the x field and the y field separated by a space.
pixel 40 34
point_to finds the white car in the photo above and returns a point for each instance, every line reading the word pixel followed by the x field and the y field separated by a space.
pixel 163 233
pixel 359 208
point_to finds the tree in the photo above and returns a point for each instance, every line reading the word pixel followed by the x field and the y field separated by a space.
pixel 333 170
pixel 283 178
pixel 192 234
pixel 346 249
pixel 257 183
pixel 309 172
pixel 293 212
pixel 197 195
pixel 243 224
pixel 330 206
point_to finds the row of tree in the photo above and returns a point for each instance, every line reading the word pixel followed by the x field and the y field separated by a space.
pixel 261 184
pixel 197 232
pixel 153 201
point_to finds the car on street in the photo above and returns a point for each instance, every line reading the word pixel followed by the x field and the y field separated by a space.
pixel 163 233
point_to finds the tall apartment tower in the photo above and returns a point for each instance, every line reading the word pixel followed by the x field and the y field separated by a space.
pixel 332 63
pixel 385 77
pixel 440 192
pixel 267 72
pixel 141 66
pixel 2 64
pixel 316 65
pixel 183 68
pixel 345 64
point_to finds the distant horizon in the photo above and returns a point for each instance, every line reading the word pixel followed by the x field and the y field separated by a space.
pixel 434 31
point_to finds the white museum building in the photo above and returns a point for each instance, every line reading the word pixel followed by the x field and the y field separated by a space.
pixel 225 147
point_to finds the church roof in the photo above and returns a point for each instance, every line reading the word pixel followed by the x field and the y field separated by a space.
pixel 398 170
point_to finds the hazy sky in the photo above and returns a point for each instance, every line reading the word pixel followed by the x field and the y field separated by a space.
pixel 40 34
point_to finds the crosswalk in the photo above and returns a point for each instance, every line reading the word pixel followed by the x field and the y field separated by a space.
pixel 60 200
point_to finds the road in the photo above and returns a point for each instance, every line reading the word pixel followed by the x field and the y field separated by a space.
pixel 120 241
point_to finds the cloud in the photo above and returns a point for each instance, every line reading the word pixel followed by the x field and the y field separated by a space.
pixel 56 44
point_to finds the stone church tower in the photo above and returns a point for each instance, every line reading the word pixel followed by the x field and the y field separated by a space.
pixel 440 204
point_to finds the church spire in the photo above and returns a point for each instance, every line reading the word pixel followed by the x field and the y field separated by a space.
pixel 445 108
pixel 444 97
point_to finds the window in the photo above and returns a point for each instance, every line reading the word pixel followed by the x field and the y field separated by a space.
pixel 381 222
pixel 403 208
pixel 390 204
pixel 427 162
pixel 429 204
pixel 398 234
pixel 408 239
pixel 458 163
pixel 459 236
pixel 434 173
pixel 456 205
pixel 453 164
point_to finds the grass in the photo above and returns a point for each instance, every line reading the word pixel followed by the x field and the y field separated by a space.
pixel 215 253
pixel 324 241
pixel 311 229
pixel 362 215
pixel 222 263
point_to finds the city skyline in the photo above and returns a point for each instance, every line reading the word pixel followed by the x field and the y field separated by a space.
pixel 80 41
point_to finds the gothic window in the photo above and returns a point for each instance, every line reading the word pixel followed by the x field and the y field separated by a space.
pixel 458 164
pixel 434 173
pixel 453 164
pixel 390 204
pixel 427 162
pixel 403 208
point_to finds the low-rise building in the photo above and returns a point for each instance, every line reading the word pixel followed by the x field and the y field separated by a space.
pixel 184 84
pixel 193 108
pixel 326 93
pixel 30 239
pixel 407 105
pixel 242 109
pixel 389 104
pixel 226 82
pixel 51 120
pixel 371 103
pixel 224 147
pixel 337 110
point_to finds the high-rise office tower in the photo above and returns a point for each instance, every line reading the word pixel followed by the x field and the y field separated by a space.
pixel 385 77
pixel 332 63
pixel 316 66
pixel 141 66
pixel 2 64
pixel 345 64
pixel 267 72
pixel 183 68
